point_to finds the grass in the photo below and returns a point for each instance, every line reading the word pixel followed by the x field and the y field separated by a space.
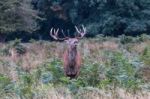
pixel 112 68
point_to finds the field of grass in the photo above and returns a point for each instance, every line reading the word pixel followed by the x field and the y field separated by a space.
pixel 112 68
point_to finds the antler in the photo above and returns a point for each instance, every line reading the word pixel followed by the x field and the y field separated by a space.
pixel 81 32
pixel 54 34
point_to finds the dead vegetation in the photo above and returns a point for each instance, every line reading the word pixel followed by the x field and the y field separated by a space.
pixel 38 53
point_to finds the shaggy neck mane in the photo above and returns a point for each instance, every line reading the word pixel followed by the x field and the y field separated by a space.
pixel 72 52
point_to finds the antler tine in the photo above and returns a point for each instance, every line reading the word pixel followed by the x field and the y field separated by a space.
pixel 63 33
pixel 54 34
pixel 84 29
pixel 77 29
pixel 81 32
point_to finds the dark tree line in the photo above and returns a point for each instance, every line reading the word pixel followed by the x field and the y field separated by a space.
pixel 17 17
pixel 108 17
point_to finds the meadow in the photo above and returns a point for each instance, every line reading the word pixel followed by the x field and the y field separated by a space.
pixel 112 68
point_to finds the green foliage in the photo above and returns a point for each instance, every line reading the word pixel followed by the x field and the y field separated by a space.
pixel 4 84
pixel 88 93
pixel 23 89
pixel 90 74
pixel 126 39
pixel 144 37
pixel 121 71
pixel 16 44
pixel 4 51
pixel 4 81
pixel 17 15
pixel 108 17
pixel 145 56
pixel 56 69
pixel 46 77
pixel 103 69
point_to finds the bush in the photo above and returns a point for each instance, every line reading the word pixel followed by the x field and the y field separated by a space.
pixel 145 56
pixel 126 39
pixel 121 71
pixel 4 83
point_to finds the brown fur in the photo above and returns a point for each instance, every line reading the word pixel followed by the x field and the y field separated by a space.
pixel 72 62
pixel 72 58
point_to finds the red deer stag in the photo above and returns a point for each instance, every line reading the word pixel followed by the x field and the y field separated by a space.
pixel 71 57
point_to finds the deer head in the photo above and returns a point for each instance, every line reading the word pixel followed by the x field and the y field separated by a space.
pixel 71 57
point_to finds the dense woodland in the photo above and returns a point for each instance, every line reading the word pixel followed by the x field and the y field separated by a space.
pixel 28 19
pixel 115 52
